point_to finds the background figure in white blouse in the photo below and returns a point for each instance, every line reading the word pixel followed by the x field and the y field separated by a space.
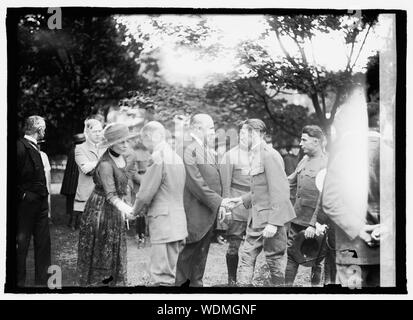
pixel 87 155
pixel 47 172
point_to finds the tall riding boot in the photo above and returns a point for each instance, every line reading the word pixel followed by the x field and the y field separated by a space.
pixel 232 265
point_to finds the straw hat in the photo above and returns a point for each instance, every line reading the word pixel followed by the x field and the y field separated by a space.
pixel 115 133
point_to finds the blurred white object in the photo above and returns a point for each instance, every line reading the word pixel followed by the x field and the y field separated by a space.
pixel 319 179
pixel 320 228
pixel 47 172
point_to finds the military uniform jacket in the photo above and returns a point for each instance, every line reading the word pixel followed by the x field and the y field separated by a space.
pixel 235 174
pixel 303 191
pixel 162 191
pixel 270 191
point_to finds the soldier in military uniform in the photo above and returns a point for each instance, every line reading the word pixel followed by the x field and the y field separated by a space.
pixel 304 195
pixel 270 206
pixel 235 169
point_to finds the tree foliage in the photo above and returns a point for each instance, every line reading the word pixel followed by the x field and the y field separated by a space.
pixel 294 70
pixel 96 62
pixel 64 75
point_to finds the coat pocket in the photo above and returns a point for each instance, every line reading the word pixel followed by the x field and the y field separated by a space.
pixel 31 197
pixel 262 215
pixel 312 203
pixel 311 173
pixel 158 211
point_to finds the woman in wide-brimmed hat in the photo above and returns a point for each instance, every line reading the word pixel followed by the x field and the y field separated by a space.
pixel 102 236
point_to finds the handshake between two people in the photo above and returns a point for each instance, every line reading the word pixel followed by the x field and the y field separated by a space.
pixel 126 210
pixel 227 205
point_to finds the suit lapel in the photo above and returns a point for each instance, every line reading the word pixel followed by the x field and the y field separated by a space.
pixel 205 155
pixel 91 148
pixel 34 154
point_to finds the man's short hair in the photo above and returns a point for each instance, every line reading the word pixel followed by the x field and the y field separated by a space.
pixel 153 127
pixel 314 132
pixel 255 124
pixel 98 117
pixel 199 119
pixel 91 123
pixel 33 123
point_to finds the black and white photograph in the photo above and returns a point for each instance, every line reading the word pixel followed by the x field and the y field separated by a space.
pixel 226 150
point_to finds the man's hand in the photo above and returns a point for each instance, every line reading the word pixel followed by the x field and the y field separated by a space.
pixel 379 232
pixel 269 231
pixel 365 233
pixel 221 214
pixel 231 203
pixel 309 232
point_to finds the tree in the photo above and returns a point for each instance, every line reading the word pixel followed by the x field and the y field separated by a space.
pixel 295 72
pixel 247 98
pixel 64 75
pixel 167 101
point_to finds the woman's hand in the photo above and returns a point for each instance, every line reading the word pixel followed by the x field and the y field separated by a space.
pixel 130 216
pixel 125 209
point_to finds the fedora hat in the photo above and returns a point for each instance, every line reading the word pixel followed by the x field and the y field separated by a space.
pixel 115 133
pixel 308 252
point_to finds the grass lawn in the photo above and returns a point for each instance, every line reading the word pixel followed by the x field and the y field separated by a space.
pixel 64 254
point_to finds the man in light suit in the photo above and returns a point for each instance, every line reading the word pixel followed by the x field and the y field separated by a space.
pixel 162 190
pixel 202 198
pixel 87 156
pixel 269 200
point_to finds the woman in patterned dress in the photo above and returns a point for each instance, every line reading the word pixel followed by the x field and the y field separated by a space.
pixel 102 236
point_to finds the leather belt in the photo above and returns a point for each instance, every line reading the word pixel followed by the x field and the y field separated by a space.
pixel 240 187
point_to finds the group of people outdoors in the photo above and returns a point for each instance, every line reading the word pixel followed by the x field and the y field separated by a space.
pixel 185 189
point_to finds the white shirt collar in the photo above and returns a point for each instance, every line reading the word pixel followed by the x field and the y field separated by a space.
pixel 31 139
pixel 91 144
pixel 197 139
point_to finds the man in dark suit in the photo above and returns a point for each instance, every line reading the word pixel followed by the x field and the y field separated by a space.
pixel 202 200
pixel 32 203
